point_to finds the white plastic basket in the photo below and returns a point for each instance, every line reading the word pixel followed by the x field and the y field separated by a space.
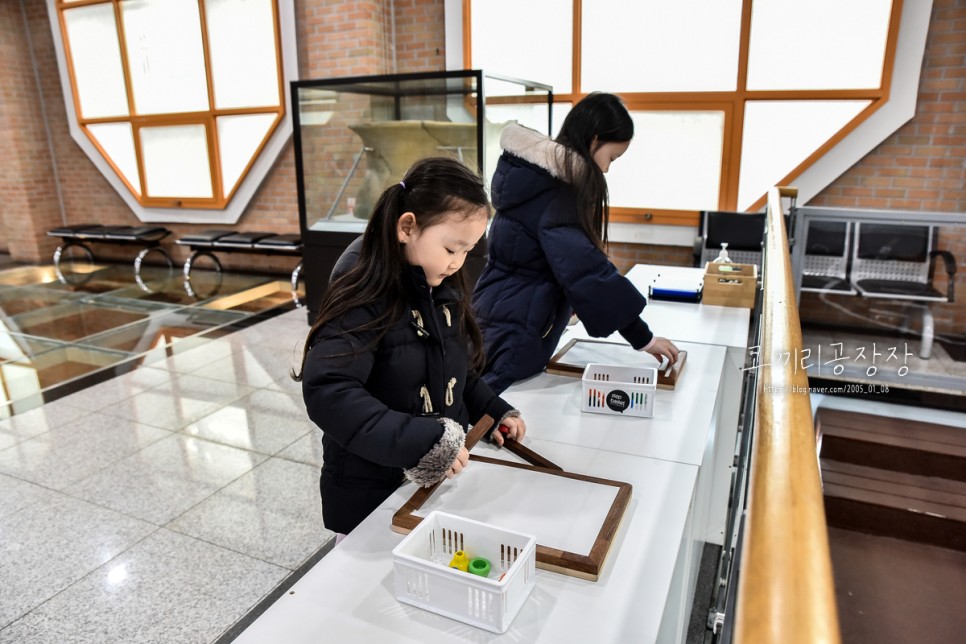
pixel 618 390
pixel 424 579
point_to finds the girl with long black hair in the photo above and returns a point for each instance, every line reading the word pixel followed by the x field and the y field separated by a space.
pixel 546 247
pixel 391 366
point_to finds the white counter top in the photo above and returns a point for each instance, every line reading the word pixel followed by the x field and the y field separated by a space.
pixel 348 596
pixel 646 585
pixel 708 324
pixel 677 432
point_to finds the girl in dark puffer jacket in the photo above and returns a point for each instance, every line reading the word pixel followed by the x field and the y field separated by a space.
pixel 547 256
pixel 391 366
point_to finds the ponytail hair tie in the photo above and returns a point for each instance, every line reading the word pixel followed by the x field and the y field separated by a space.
pixel 403 184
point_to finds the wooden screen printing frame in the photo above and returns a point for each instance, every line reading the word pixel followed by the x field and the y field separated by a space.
pixel 568 563
pixel 666 379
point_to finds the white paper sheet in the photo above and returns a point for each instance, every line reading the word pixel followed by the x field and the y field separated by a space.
pixel 560 512
pixel 623 355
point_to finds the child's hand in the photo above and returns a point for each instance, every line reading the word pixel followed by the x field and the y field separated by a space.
pixel 663 349
pixel 515 429
pixel 462 460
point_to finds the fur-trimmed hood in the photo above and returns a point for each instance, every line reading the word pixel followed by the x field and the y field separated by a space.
pixel 531 165
pixel 535 148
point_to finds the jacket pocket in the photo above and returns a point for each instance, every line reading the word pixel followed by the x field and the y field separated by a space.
pixel 540 303
pixel 549 325
pixel 552 318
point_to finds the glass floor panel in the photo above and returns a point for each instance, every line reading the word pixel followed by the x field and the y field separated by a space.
pixel 163 287
pixel 162 330
pixel 101 278
pixel 59 363
pixel 58 336
pixel 15 300
pixel 28 275
pixel 74 321
pixel 265 296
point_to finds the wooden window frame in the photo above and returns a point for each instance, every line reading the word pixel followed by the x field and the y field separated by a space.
pixel 208 118
pixel 733 103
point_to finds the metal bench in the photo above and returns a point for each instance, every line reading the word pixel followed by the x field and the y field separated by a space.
pixel 80 236
pixel 827 248
pixel 897 262
pixel 209 242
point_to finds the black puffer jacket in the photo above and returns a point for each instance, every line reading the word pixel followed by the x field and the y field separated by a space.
pixel 368 401
pixel 542 266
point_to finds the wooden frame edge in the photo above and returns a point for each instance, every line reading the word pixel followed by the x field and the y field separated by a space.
pixel 665 380
pixel 569 563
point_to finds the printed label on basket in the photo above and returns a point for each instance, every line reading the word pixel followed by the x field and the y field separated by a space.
pixel 619 389
pixel 618 400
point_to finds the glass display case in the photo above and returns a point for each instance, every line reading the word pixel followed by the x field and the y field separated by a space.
pixel 354 137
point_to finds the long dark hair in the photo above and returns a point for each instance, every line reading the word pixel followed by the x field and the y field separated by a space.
pixel 605 117
pixel 433 188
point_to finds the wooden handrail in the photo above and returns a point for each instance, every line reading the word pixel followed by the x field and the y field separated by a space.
pixel 785 588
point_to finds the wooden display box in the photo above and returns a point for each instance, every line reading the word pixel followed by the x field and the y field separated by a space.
pixel 730 285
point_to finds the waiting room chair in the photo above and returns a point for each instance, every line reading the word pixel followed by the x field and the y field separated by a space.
pixel 897 262
pixel 827 250
pixel 742 231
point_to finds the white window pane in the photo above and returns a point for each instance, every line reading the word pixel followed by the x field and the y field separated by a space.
pixel 532 115
pixel 660 46
pixel 673 162
pixel 96 57
pixel 244 59
pixel 165 57
pixel 495 87
pixel 117 141
pixel 176 161
pixel 820 44
pixel 779 135
pixel 238 139
pixel 560 112
pixel 529 40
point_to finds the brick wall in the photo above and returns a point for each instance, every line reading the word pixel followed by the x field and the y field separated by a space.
pixel 625 256
pixel 922 166
pixel 29 200
pixel 420 35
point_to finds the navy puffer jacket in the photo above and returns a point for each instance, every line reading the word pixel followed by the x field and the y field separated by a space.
pixel 369 401
pixel 542 266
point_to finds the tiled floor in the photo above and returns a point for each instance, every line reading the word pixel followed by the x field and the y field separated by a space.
pixel 166 503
